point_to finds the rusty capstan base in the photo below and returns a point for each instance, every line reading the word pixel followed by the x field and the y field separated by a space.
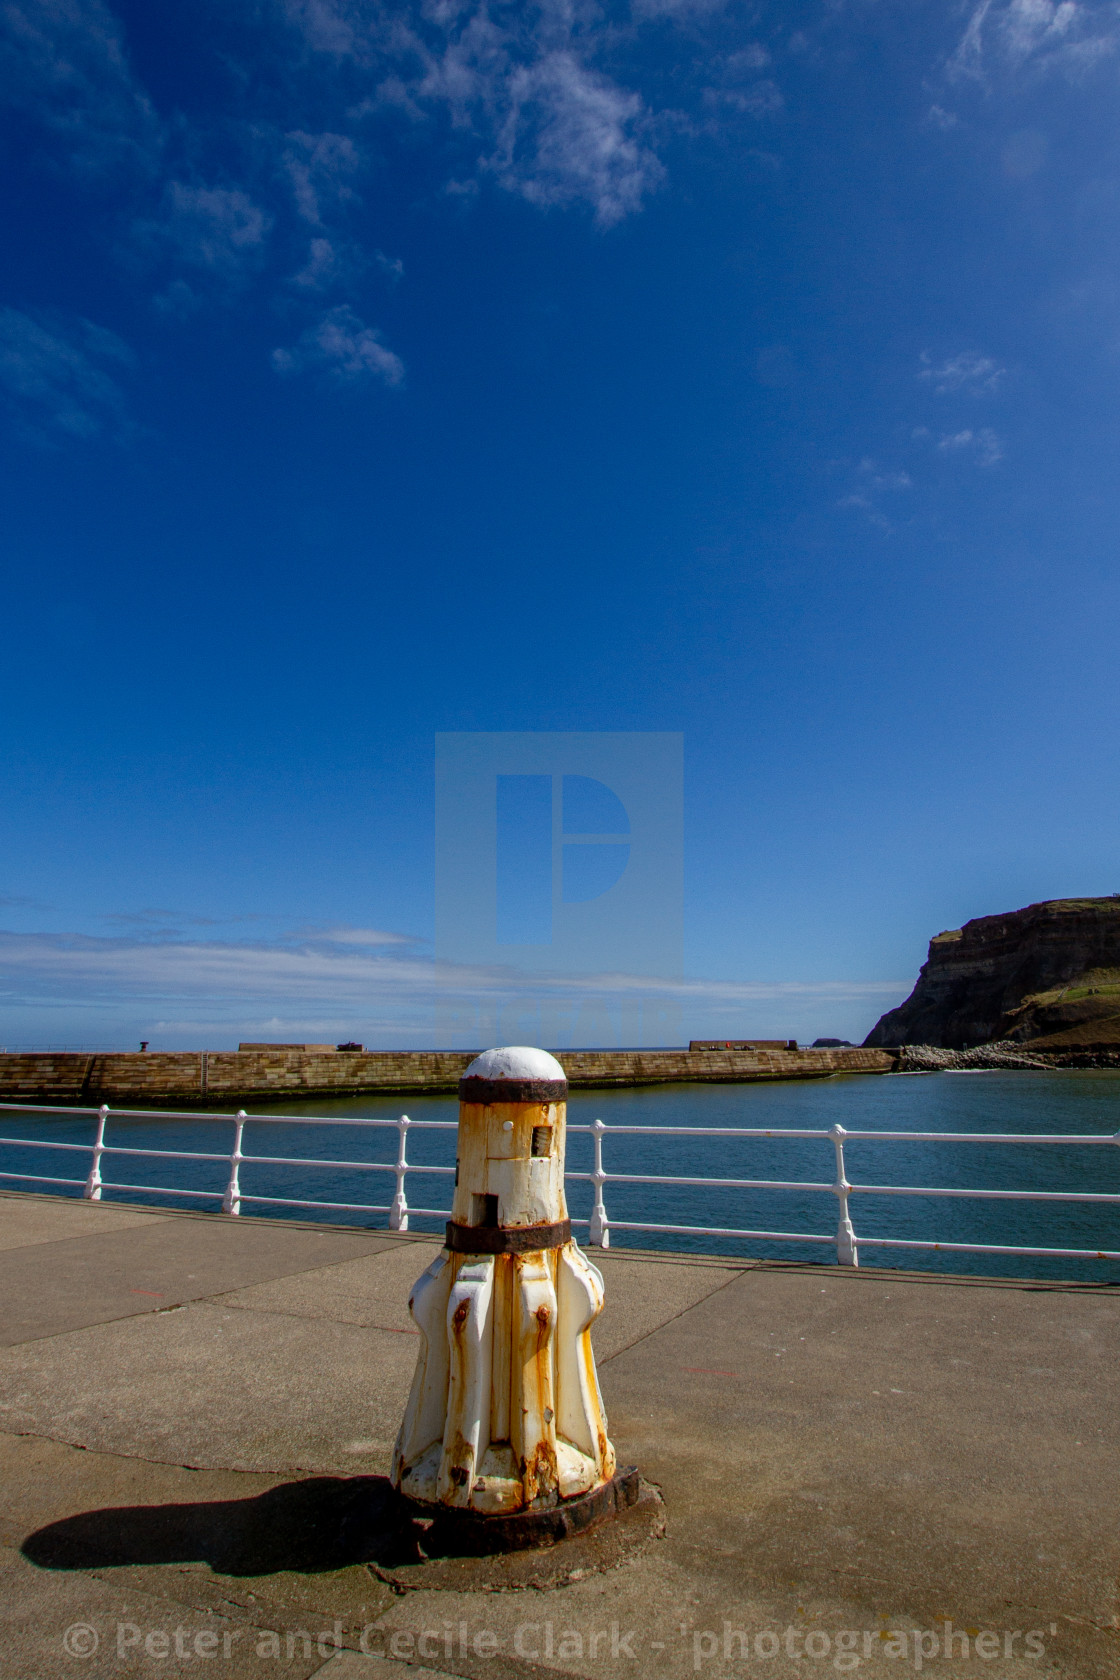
pixel 465 1533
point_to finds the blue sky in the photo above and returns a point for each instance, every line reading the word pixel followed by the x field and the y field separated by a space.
pixel 748 371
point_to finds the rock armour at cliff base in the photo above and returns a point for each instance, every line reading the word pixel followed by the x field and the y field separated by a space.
pixel 1044 980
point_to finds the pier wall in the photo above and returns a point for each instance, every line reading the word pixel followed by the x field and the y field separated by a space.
pixel 217 1078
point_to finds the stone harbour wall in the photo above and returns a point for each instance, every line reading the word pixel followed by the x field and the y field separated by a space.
pixel 219 1078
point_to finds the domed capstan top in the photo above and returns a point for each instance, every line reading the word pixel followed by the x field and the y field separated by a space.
pixel 514 1073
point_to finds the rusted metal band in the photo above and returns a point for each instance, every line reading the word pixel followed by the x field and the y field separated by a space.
pixel 491 1091
pixel 506 1239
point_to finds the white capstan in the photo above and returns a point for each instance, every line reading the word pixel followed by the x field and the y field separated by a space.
pixel 515 1061
pixel 505 1413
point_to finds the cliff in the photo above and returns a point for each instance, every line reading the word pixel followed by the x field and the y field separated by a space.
pixel 1048 975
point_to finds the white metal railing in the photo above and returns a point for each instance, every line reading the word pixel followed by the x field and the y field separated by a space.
pixel 845 1241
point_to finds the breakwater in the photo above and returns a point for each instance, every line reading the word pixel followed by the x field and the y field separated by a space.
pixel 213 1078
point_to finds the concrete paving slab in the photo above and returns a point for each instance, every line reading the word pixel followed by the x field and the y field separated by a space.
pixel 25 1220
pixel 668 1617
pixel 937 1448
pixel 645 1293
pixel 115 1273
pixel 352 1665
pixel 372 1290
pixel 216 1387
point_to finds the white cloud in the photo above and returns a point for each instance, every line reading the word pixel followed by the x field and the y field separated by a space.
pixel 876 481
pixel 572 135
pixel 524 88
pixel 884 479
pixel 343 348
pixel 327 266
pixel 675 8
pixel 760 99
pixel 324 25
pixel 941 118
pixel 217 229
pixel 739 86
pixel 320 168
pixel 984 445
pixel 63 65
pixel 335 974
pixel 55 382
pixel 1013 35
pixel 967 372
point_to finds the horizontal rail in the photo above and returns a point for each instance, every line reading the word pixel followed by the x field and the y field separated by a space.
pixel 41 1143
pixel 218 1114
pixel 721 1231
pixel 347 1207
pixel 859 1136
pixel 164 1190
pixel 231 1198
pixel 708 1183
pixel 40 1178
pixel 989 1248
pixel 990 1195
pixel 306 1161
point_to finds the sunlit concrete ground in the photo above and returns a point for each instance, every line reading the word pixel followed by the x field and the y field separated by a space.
pixel 189 1405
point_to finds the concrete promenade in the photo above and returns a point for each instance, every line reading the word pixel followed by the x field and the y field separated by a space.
pixel 197 1413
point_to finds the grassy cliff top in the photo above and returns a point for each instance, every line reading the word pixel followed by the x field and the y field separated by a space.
pixel 1071 906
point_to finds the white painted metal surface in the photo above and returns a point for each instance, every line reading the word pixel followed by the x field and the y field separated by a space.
pixel 505 1410
pixel 844 1240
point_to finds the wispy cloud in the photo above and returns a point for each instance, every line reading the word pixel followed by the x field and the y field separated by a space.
pixel 524 88
pixel 553 103
pixel 367 937
pixel 874 482
pixel 740 82
pixel 59 379
pixel 326 976
pixel 1010 36
pixel 571 134
pixel 216 234
pixel 982 445
pixel 967 372
pixel 321 168
pixel 64 67
pixel 329 266
pixel 344 349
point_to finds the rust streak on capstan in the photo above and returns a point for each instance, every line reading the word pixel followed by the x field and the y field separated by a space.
pixel 460 1315
pixel 542 1473
pixel 462 1454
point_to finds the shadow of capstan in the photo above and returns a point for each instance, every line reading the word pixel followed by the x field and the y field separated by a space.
pixel 323 1523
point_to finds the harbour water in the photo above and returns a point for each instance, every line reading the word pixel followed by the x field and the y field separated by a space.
pixel 1082 1102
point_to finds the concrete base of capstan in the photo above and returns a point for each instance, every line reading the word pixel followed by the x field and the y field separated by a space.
pixel 466 1532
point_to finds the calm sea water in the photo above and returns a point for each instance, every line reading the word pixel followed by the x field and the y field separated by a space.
pixel 1082 1102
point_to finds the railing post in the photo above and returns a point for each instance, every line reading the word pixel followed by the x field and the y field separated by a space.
pixel 398 1213
pixel 600 1232
pixel 92 1191
pixel 847 1251
pixel 231 1201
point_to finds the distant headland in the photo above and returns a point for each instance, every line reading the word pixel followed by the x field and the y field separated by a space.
pixel 1045 979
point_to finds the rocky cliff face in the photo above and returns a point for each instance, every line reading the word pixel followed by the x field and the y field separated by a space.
pixel 1048 975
